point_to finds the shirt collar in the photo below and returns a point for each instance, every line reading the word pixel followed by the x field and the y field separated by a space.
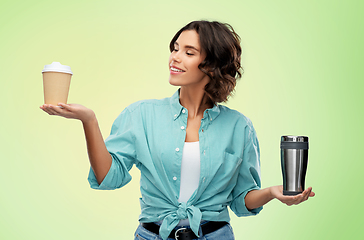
pixel 213 112
pixel 177 108
pixel 176 105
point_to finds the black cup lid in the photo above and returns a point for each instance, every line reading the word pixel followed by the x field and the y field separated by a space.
pixel 294 139
pixel 294 142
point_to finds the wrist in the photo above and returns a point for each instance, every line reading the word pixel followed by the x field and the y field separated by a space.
pixel 90 119
pixel 271 194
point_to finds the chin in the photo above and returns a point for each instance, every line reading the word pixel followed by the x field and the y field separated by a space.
pixel 173 83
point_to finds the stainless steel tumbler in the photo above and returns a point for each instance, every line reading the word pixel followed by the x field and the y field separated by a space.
pixel 294 157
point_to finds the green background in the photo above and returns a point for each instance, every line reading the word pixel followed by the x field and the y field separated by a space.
pixel 302 77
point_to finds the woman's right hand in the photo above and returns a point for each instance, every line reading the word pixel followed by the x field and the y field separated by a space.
pixel 74 111
pixel 277 192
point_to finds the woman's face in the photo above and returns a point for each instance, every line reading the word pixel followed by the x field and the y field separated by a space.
pixel 184 61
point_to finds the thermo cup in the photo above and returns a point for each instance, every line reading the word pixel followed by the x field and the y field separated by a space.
pixel 294 157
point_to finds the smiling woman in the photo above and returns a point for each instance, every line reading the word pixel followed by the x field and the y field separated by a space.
pixel 185 60
pixel 219 47
pixel 196 157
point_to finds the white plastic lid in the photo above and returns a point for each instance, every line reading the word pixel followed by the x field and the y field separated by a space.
pixel 57 67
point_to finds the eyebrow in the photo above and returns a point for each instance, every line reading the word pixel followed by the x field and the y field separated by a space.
pixel 188 46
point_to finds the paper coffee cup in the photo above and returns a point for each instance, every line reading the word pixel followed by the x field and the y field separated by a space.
pixel 56 83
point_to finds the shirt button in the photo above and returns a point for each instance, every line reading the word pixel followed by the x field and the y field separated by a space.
pixel 203 180
pixel 202 130
pixel 174 178
pixel 175 115
pixel 177 149
pixel 204 152
pixel 210 119
pixel 182 127
pixel 183 111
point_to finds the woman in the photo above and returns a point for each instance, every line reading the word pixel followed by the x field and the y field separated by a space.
pixel 196 157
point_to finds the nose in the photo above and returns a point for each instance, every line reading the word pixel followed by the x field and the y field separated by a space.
pixel 175 56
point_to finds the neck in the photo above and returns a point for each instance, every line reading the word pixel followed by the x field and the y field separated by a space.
pixel 195 100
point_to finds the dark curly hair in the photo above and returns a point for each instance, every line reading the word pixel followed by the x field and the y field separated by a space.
pixel 222 63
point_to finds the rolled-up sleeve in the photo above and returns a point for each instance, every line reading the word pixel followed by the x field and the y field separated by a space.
pixel 121 146
pixel 249 175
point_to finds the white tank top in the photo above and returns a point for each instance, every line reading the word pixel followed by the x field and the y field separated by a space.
pixel 190 170
pixel 190 174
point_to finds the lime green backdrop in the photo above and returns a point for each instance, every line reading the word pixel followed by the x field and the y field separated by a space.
pixel 302 76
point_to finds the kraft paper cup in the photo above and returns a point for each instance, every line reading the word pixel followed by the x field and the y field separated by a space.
pixel 56 83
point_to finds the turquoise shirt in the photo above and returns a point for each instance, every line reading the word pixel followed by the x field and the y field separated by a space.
pixel 151 135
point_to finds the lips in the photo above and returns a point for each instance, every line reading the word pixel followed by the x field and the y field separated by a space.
pixel 176 69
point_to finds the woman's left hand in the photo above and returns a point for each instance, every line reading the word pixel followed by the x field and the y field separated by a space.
pixel 277 192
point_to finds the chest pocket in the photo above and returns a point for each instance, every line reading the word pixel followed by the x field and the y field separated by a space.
pixel 226 172
pixel 230 164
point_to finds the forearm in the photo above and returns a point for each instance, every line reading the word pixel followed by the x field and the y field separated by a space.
pixel 258 198
pixel 100 158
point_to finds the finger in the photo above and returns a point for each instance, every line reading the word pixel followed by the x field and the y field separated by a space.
pixel 309 189
pixel 42 107
pixel 63 112
pixel 298 200
pixel 46 108
pixel 52 111
pixel 302 199
pixel 47 111
pixel 60 110
pixel 305 195
pixel 311 192
pixel 66 106
pixel 293 201
pixel 57 110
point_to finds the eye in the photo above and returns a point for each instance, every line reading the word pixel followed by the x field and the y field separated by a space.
pixel 189 54
pixel 175 50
